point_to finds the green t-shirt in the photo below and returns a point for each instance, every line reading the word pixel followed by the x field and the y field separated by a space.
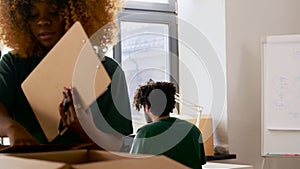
pixel 14 70
pixel 172 137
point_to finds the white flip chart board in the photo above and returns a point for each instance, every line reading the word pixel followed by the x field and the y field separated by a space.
pixel 281 95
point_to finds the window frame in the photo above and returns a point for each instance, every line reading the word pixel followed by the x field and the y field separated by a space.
pixel 171 6
pixel 156 18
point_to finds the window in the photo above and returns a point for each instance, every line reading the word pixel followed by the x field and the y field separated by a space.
pixel 153 5
pixel 148 46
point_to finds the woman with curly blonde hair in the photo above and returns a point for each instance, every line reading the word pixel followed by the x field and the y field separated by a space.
pixel 15 14
pixel 31 28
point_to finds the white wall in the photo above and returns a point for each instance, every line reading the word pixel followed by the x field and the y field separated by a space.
pixel 202 68
pixel 247 22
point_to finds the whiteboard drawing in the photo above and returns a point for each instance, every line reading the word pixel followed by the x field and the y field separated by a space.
pixel 282 86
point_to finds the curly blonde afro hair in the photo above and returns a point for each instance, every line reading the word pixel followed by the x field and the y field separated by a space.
pixel 93 15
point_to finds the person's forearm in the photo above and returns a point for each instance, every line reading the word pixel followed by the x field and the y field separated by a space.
pixel 5 120
pixel 107 141
pixel 17 134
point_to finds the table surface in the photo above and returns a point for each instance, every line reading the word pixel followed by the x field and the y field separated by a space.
pixel 221 157
pixel 210 165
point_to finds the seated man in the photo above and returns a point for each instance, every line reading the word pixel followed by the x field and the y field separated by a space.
pixel 172 137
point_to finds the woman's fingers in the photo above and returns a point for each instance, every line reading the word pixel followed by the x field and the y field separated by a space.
pixel 62 112
pixel 67 109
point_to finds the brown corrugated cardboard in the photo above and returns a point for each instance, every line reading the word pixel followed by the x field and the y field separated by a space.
pixel 71 156
pixel 149 162
pixel 10 162
pixel 86 159
pixel 206 129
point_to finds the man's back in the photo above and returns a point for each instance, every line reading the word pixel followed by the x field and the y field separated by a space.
pixel 175 138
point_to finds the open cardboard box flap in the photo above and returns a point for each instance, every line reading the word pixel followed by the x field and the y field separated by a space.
pixel 85 159
pixel 134 163
pixel 11 162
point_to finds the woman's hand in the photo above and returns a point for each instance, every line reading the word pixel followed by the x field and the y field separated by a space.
pixel 19 136
pixel 68 113
pixel 69 117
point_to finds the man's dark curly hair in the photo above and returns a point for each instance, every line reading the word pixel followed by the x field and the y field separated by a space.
pixel 93 15
pixel 159 96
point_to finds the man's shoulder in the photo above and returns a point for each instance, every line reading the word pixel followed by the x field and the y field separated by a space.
pixel 148 126
pixel 148 129
pixel 186 124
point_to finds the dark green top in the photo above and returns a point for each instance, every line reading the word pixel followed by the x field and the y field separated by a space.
pixel 14 70
pixel 172 137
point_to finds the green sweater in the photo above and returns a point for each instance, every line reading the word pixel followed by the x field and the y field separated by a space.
pixel 172 137
pixel 14 70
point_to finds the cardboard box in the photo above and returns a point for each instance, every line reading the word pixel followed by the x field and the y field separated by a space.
pixel 206 129
pixel 10 162
pixel 135 163
pixel 85 159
